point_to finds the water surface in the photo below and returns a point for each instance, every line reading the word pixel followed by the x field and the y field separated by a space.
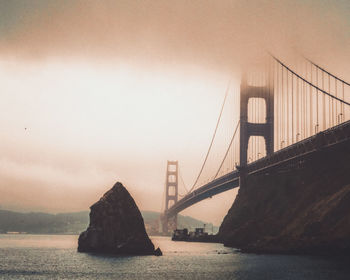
pixel 55 257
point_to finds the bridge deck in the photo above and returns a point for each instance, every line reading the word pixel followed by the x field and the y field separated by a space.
pixel 292 153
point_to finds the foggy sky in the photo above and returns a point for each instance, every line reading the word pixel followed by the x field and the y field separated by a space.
pixel 99 91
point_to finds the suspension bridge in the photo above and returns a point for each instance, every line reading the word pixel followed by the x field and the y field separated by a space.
pixel 287 114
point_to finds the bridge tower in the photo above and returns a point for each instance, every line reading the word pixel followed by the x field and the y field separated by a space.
pixel 171 195
pixel 248 129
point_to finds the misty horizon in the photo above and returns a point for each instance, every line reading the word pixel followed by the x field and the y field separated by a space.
pixel 99 92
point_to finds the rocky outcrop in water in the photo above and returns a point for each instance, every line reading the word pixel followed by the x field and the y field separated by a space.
pixel 116 226
pixel 303 209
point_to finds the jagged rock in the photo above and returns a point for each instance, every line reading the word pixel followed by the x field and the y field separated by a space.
pixel 158 252
pixel 116 226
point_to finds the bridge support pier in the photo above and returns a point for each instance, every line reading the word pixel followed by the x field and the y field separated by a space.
pixel 171 196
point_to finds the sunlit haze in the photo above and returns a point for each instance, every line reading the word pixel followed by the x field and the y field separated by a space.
pixel 94 92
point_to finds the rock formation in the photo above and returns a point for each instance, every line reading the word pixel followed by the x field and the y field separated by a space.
pixel 302 209
pixel 116 226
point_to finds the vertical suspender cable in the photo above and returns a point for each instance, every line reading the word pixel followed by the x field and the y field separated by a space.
pixel 336 104
pixel 277 96
pixel 304 113
pixel 311 104
pixel 292 109
pixel 282 105
pixel 332 103
pixel 343 112
pixel 232 141
pixel 324 103
pixel 297 110
pixel 287 104
pixel 329 104
pixel 317 124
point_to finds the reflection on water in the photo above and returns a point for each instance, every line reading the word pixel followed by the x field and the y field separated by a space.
pixel 55 257
pixel 37 241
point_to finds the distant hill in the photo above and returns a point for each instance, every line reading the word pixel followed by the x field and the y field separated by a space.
pixel 43 223
pixel 76 222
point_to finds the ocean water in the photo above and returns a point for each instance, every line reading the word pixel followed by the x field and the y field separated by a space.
pixel 55 257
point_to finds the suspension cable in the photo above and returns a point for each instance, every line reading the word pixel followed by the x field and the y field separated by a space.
pixel 229 146
pixel 324 70
pixel 311 84
pixel 182 180
pixel 212 140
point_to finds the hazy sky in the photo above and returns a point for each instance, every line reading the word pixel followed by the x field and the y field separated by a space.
pixel 94 92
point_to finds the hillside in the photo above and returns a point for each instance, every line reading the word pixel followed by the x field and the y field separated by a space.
pixel 303 209
pixel 43 223
pixel 74 223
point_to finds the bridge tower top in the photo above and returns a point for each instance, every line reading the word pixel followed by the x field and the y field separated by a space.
pixel 248 129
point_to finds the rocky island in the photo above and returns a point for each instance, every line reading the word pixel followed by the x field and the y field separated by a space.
pixel 116 226
pixel 303 209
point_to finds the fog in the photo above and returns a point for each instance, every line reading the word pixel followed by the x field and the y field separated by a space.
pixel 95 92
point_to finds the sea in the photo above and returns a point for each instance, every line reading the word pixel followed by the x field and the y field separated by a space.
pixel 25 256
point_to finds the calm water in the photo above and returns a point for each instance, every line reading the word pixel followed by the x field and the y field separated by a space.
pixel 55 257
